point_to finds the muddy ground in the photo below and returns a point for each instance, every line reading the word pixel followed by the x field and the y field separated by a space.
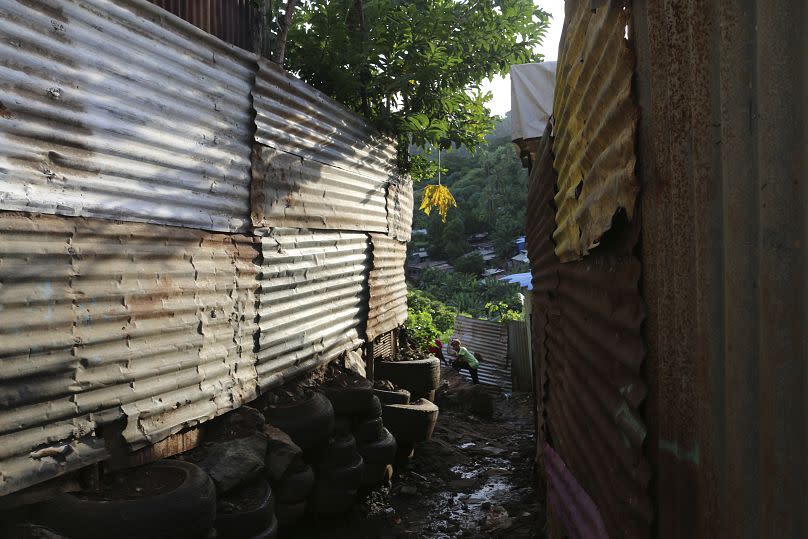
pixel 474 478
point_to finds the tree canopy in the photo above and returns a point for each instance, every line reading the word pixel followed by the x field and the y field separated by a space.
pixel 414 67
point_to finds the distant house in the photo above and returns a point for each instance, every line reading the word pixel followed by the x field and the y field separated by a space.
pixel 419 232
pixel 520 244
pixel 487 251
pixel 478 238
pixel 493 272
pixel 524 280
pixel 416 268
pixel 521 258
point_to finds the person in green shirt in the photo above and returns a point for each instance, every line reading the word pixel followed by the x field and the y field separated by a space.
pixel 465 360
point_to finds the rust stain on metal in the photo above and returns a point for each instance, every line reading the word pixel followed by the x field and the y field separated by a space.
pixel 595 127
pixel 101 321
pixel 387 284
pixel 587 326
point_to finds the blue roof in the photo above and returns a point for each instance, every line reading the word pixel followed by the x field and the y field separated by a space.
pixel 522 279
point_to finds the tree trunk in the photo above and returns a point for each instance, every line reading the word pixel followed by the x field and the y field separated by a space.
pixel 261 34
pixel 283 31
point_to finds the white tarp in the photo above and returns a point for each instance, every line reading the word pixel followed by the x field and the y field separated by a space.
pixel 532 88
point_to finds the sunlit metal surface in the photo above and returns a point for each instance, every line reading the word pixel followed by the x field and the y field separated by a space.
pixel 313 299
pixel 104 321
pixel 595 126
pixel 400 208
pixel 388 286
pixel 121 110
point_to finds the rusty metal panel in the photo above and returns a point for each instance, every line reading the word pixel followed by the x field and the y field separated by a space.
pixel 587 321
pixel 399 209
pixel 387 284
pixel 118 109
pixel 595 126
pixel 229 20
pixel 491 340
pixel 519 355
pixel 312 299
pixel 290 191
pixel 293 117
pixel 103 321
pixel 724 91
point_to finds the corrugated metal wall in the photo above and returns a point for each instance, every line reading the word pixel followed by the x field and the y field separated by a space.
pixel 97 319
pixel 596 124
pixel 491 340
pixel 519 356
pixel 388 288
pixel 294 118
pixel 313 299
pixel 399 209
pixel 229 20
pixel 724 88
pixel 587 321
pixel 119 110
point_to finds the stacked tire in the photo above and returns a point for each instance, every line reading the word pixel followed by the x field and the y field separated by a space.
pixel 409 412
pixel 360 410
pixel 339 471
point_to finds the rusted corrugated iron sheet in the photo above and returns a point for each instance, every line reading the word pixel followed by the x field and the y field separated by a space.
pixel 103 321
pixel 724 91
pixel 491 340
pixel 290 191
pixel 587 321
pixel 388 286
pixel 293 117
pixel 519 355
pixel 229 20
pixel 569 501
pixel 595 126
pixel 121 110
pixel 313 299
pixel 399 209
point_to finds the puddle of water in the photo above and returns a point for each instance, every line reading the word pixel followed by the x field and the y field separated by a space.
pixel 466 445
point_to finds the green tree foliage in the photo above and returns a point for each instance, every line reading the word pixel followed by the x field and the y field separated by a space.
pixel 414 67
pixel 428 318
pixel 469 294
pixel 490 187
pixel 472 263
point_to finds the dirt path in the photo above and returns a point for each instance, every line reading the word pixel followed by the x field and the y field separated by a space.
pixel 473 479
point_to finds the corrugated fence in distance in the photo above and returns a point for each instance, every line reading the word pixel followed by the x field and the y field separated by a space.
pixel 491 340
pixel 120 110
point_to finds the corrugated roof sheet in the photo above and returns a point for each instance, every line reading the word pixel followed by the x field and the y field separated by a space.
pixel 399 209
pixel 388 286
pixel 595 127
pixel 587 326
pixel 121 110
pixel 491 340
pixel 293 117
pixel 313 299
pixel 290 191
pixel 102 321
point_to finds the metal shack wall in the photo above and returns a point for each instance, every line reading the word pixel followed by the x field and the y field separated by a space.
pixel 144 326
pixel 491 340
pixel 724 90
pixel 120 110
pixel 387 286
pixel 313 299
pixel 587 321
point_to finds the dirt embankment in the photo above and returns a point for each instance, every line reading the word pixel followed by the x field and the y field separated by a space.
pixel 474 478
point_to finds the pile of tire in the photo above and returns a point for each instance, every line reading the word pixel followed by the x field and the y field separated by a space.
pixel 408 412
pixel 359 411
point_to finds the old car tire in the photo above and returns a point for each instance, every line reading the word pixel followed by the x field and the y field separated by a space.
pixel 308 422
pixel 347 477
pixel 289 513
pixel 187 511
pixel 382 450
pixel 295 485
pixel 339 452
pixel 369 430
pixel 342 425
pixel 374 409
pixel 428 395
pixel 418 376
pixel 400 396
pixel 271 532
pixel 351 399
pixel 411 422
pixel 249 522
